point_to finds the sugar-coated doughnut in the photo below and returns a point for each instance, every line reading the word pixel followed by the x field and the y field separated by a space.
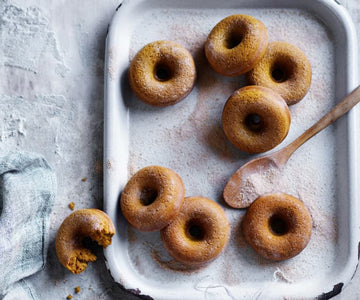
pixel 199 232
pixel 152 198
pixel 236 44
pixel 83 223
pixel 277 226
pixel 255 119
pixel 285 69
pixel 162 73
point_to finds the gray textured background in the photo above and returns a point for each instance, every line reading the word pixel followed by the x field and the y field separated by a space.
pixel 51 91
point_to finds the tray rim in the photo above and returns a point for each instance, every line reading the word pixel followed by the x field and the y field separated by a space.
pixel 342 16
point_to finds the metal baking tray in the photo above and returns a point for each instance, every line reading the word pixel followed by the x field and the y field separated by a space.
pixel 188 138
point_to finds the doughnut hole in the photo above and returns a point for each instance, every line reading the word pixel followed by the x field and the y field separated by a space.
pixel 279 225
pixel 163 71
pixel 282 70
pixel 234 38
pixel 195 230
pixel 254 122
pixel 148 195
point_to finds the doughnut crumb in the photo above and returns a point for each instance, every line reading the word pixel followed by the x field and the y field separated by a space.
pixel 79 260
pixel 72 205
pixel 77 290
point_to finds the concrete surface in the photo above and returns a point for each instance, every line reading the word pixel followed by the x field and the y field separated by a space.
pixel 51 87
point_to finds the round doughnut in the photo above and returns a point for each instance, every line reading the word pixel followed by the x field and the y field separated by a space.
pixel 255 119
pixel 277 226
pixel 285 69
pixel 198 233
pixel 152 198
pixel 84 223
pixel 236 44
pixel 162 73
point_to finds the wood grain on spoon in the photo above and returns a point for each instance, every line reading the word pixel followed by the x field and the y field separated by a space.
pixel 235 190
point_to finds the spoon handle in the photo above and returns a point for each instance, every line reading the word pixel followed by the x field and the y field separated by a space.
pixel 335 113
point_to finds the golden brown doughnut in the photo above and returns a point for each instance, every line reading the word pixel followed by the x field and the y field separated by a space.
pixel 255 119
pixel 83 223
pixel 277 226
pixel 162 73
pixel 285 69
pixel 152 198
pixel 236 44
pixel 198 233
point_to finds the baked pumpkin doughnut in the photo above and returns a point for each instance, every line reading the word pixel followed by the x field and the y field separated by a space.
pixel 199 232
pixel 162 73
pixel 285 69
pixel 255 119
pixel 84 223
pixel 236 44
pixel 152 198
pixel 277 226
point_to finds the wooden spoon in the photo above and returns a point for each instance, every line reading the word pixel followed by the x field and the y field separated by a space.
pixel 235 190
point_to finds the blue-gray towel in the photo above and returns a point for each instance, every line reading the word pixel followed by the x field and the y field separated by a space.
pixel 27 194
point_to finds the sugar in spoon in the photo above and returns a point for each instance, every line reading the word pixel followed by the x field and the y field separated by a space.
pixel 234 191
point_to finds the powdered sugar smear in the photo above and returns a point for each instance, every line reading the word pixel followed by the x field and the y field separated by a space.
pixel 188 138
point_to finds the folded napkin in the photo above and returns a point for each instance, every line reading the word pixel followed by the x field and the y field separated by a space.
pixel 27 194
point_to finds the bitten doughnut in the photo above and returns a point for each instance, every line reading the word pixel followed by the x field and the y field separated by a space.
pixel 277 226
pixel 236 44
pixel 285 69
pixel 162 73
pixel 152 198
pixel 199 232
pixel 255 119
pixel 83 223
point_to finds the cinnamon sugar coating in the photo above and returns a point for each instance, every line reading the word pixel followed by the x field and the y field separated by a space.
pixel 83 223
pixel 152 198
pixel 236 44
pixel 162 73
pixel 285 69
pixel 199 233
pixel 277 226
pixel 255 119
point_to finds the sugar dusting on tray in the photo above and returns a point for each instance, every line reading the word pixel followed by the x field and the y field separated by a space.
pixel 188 138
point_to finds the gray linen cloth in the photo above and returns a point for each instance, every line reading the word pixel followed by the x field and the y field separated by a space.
pixel 27 194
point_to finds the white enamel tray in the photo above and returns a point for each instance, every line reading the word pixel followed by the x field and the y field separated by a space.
pixel 187 137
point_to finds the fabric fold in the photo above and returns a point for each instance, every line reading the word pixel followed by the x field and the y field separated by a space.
pixel 27 194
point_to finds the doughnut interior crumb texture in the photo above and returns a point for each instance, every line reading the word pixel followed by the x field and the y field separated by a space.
pixel 188 136
pixel 81 224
